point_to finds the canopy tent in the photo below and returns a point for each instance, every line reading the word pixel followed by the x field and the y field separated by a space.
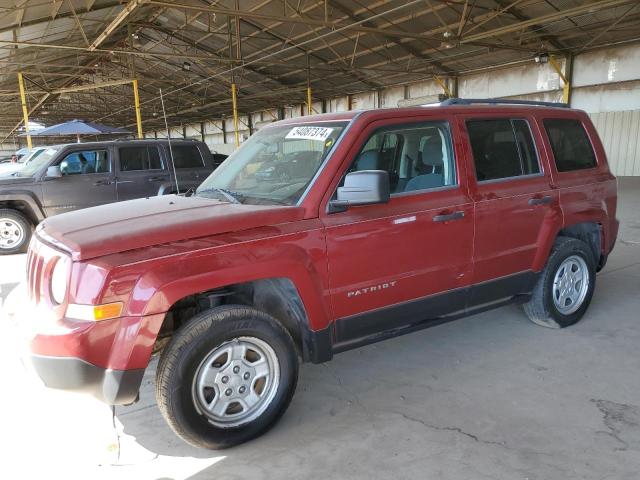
pixel 77 128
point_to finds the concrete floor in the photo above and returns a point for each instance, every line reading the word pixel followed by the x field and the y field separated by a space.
pixel 491 396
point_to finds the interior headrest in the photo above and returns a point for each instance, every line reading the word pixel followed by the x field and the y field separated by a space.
pixel 431 153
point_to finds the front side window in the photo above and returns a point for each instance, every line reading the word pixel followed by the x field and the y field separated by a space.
pixel 417 157
pixel 275 165
pixel 139 158
pixel 502 148
pixel 571 147
pixel 85 162
pixel 187 156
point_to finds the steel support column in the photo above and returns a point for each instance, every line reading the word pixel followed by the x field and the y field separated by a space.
pixel 234 102
pixel 566 85
pixel 25 112
pixel 309 106
pixel 136 101
pixel 443 85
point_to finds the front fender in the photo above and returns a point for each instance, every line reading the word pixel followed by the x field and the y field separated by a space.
pixel 298 257
pixel 26 197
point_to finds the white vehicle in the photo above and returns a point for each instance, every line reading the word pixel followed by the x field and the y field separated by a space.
pixel 9 167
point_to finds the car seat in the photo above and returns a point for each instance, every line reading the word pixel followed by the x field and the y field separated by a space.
pixel 430 166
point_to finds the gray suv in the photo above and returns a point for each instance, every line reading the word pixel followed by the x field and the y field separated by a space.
pixel 80 175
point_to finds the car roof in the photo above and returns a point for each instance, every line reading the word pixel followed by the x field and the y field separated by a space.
pixel 123 142
pixel 411 111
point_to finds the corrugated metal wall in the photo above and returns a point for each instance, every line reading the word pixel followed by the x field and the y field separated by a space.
pixel 620 132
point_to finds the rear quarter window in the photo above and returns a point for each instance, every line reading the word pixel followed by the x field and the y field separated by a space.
pixel 187 156
pixel 571 147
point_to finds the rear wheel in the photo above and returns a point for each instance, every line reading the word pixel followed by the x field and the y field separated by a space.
pixel 226 376
pixel 565 287
pixel 15 232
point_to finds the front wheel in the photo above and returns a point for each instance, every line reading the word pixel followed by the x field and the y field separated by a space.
pixel 15 232
pixel 565 287
pixel 226 376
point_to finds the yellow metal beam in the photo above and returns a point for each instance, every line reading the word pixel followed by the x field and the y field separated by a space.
pixel 443 85
pixel 25 112
pixel 566 85
pixel 309 107
pixel 234 102
pixel 136 101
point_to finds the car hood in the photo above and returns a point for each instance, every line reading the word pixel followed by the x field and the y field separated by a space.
pixel 123 226
pixel 6 178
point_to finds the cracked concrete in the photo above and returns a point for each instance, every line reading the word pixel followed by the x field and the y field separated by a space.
pixel 453 429
pixel 622 421
pixel 487 397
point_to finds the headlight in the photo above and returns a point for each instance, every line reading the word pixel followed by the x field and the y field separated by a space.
pixel 59 278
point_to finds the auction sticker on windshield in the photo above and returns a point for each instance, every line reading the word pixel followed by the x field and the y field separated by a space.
pixel 310 133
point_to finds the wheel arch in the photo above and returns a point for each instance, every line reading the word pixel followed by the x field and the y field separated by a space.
pixel 590 232
pixel 25 204
pixel 276 296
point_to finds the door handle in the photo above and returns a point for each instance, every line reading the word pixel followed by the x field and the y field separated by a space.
pixel 540 200
pixel 445 217
pixel 155 179
pixel 102 182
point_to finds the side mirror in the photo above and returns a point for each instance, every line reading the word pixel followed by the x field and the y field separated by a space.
pixel 54 172
pixel 366 187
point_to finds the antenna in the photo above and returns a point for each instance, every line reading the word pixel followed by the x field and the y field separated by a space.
pixel 164 113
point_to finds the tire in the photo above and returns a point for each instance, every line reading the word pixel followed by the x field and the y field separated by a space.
pixel 190 381
pixel 567 254
pixel 15 232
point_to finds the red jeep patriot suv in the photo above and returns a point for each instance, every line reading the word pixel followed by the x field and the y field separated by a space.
pixel 321 234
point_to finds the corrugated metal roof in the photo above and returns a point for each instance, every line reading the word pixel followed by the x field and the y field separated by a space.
pixel 349 46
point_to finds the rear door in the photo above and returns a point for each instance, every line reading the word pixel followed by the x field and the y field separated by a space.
pixel 514 203
pixel 141 171
pixel 87 180
pixel 190 164
pixel 408 260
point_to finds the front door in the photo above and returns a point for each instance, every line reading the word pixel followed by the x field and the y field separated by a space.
pixel 394 264
pixel 514 200
pixel 141 172
pixel 87 180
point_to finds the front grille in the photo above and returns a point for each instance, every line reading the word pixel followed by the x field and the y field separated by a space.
pixel 39 257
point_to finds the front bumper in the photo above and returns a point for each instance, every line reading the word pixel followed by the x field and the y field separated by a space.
pixel 106 359
pixel 115 387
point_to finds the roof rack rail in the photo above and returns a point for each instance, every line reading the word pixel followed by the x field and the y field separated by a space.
pixel 176 139
pixel 499 101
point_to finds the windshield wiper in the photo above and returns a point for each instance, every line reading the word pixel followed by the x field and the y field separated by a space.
pixel 231 196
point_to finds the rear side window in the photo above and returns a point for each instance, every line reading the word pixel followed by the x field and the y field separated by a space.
pixel 571 147
pixel 139 158
pixel 187 156
pixel 502 148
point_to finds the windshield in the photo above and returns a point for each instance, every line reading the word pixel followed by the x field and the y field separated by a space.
pixel 274 166
pixel 37 162
pixel 31 155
